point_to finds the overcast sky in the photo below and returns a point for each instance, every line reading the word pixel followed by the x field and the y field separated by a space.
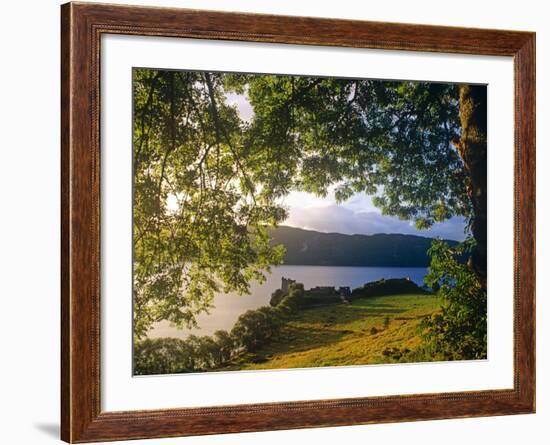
pixel 355 216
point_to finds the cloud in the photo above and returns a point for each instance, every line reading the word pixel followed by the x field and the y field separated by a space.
pixel 357 202
pixel 342 219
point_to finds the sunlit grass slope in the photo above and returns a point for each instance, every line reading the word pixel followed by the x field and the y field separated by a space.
pixel 368 331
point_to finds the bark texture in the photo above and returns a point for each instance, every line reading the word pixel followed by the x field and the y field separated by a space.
pixel 473 151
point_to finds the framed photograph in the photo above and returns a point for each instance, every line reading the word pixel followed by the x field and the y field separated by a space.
pixel 274 222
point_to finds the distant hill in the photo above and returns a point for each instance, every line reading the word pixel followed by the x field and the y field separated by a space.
pixel 307 247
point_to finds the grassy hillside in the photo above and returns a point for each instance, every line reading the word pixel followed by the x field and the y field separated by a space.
pixel 308 247
pixel 368 331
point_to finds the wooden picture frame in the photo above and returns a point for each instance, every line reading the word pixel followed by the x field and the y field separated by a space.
pixel 82 25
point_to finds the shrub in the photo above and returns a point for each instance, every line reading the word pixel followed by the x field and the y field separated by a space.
pixel 390 286
pixel 276 297
pixel 395 354
pixel 226 346
pixel 272 322
pixel 255 328
pixel 459 330
pixel 163 356
pixel 247 331
pixel 295 298
pixel 208 353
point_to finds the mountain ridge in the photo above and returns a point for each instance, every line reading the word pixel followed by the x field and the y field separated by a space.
pixel 312 248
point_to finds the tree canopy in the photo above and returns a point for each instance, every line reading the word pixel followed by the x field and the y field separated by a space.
pixel 208 184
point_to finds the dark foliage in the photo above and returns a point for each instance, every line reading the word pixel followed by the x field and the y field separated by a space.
pixel 390 286
pixel 459 331
pixel 276 297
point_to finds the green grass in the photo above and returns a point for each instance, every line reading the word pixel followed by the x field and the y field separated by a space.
pixel 354 334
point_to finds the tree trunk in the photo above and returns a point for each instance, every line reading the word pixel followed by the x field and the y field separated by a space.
pixel 473 151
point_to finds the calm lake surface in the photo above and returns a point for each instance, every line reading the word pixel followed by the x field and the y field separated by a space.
pixel 228 307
